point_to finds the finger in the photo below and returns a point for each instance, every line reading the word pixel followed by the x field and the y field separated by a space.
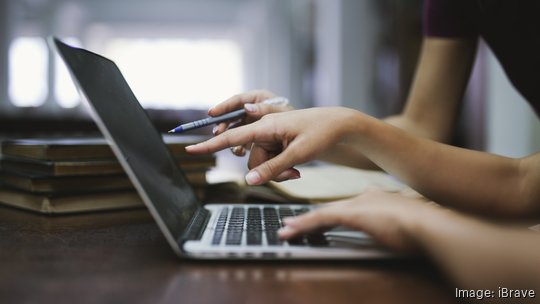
pixel 220 128
pixel 255 111
pixel 289 174
pixel 235 124
pixel 270 169
pixel 232 137
pixel 237 101
pixel 325 217
pixel 259 155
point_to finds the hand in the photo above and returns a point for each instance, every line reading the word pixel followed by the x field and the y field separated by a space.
pixel 283 140
pixel 255 109
pixel 388 217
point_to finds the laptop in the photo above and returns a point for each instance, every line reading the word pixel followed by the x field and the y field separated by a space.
pixel 193 229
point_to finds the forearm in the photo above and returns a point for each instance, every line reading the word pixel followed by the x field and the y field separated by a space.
pixel 347 155
pixel 478 255
pixel 474 254
pixel 449 175
pixel 435 97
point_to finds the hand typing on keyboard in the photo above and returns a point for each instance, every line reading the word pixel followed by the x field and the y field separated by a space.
pixel 384 216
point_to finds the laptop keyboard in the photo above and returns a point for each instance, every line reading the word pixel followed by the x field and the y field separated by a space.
pixel 260 226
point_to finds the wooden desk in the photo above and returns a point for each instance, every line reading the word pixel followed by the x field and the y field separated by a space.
pixel 121 257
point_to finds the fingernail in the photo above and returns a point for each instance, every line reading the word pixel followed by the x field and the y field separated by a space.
pixel 238 151
pixel 251 108
pixel 241 151
pixel 253 178
pixel 215 130
pixel 294 177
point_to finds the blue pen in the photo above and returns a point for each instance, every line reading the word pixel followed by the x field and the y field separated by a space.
pixel 208 121
pixel 229 116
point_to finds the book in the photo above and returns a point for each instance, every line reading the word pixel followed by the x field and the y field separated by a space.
pixel 81 174
pixel 36 183
pixel 55 203
pixel 81 167
pixel 65 184
pixel 82 148
pixel 328 182
pixel 58 204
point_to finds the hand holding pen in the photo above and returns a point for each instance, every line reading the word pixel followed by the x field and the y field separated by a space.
pixel 240 109
pixel 257 103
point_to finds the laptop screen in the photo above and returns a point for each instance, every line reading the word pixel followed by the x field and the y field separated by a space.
pixel 134 139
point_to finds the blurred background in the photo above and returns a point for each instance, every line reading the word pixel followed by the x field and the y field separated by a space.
pixel 183 56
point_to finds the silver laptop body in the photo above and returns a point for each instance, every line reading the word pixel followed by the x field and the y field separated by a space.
pixel 194 230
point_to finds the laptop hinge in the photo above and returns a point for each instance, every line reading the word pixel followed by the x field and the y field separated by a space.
pixel 195 228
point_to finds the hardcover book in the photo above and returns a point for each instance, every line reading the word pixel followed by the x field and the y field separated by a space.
pixel 81 167
pixel 51 204
pixel 80 174
pixel 82 148
pixel 36 183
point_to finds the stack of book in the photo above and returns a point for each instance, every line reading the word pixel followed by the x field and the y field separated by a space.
pixel 80 174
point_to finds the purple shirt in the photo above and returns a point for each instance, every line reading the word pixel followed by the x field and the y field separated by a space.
pixel 511 28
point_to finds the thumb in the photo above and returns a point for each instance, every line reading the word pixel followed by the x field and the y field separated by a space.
pixel 269 169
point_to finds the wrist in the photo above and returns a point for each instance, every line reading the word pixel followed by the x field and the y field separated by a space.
pixel 427 223
pixel 354 125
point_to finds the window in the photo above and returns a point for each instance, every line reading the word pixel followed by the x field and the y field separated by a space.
pixel 164 73
pixel 174 55
pixel 179 73
pixel 28 70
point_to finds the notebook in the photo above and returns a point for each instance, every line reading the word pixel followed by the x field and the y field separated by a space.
pixel 193 229
pixel 328 182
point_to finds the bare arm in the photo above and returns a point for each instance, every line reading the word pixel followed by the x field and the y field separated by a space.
pixel 475 254
pixel 481 255
pixel 452 176
pixel 435 98
pixel 431 110
pixel 437 92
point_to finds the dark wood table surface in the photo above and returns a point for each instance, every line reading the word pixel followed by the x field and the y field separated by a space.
pixel 121 257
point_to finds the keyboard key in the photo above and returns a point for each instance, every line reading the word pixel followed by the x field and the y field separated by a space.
pixel 254 237
pixel 253 226
pixel 234 238
pixel 300 211
pixel 235 227
pixel 216 240
pixel 284 211
pixel 220 226
pixel 272 238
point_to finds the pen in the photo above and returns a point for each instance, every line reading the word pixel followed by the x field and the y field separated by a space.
pixel 228 116
pixel 208 121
